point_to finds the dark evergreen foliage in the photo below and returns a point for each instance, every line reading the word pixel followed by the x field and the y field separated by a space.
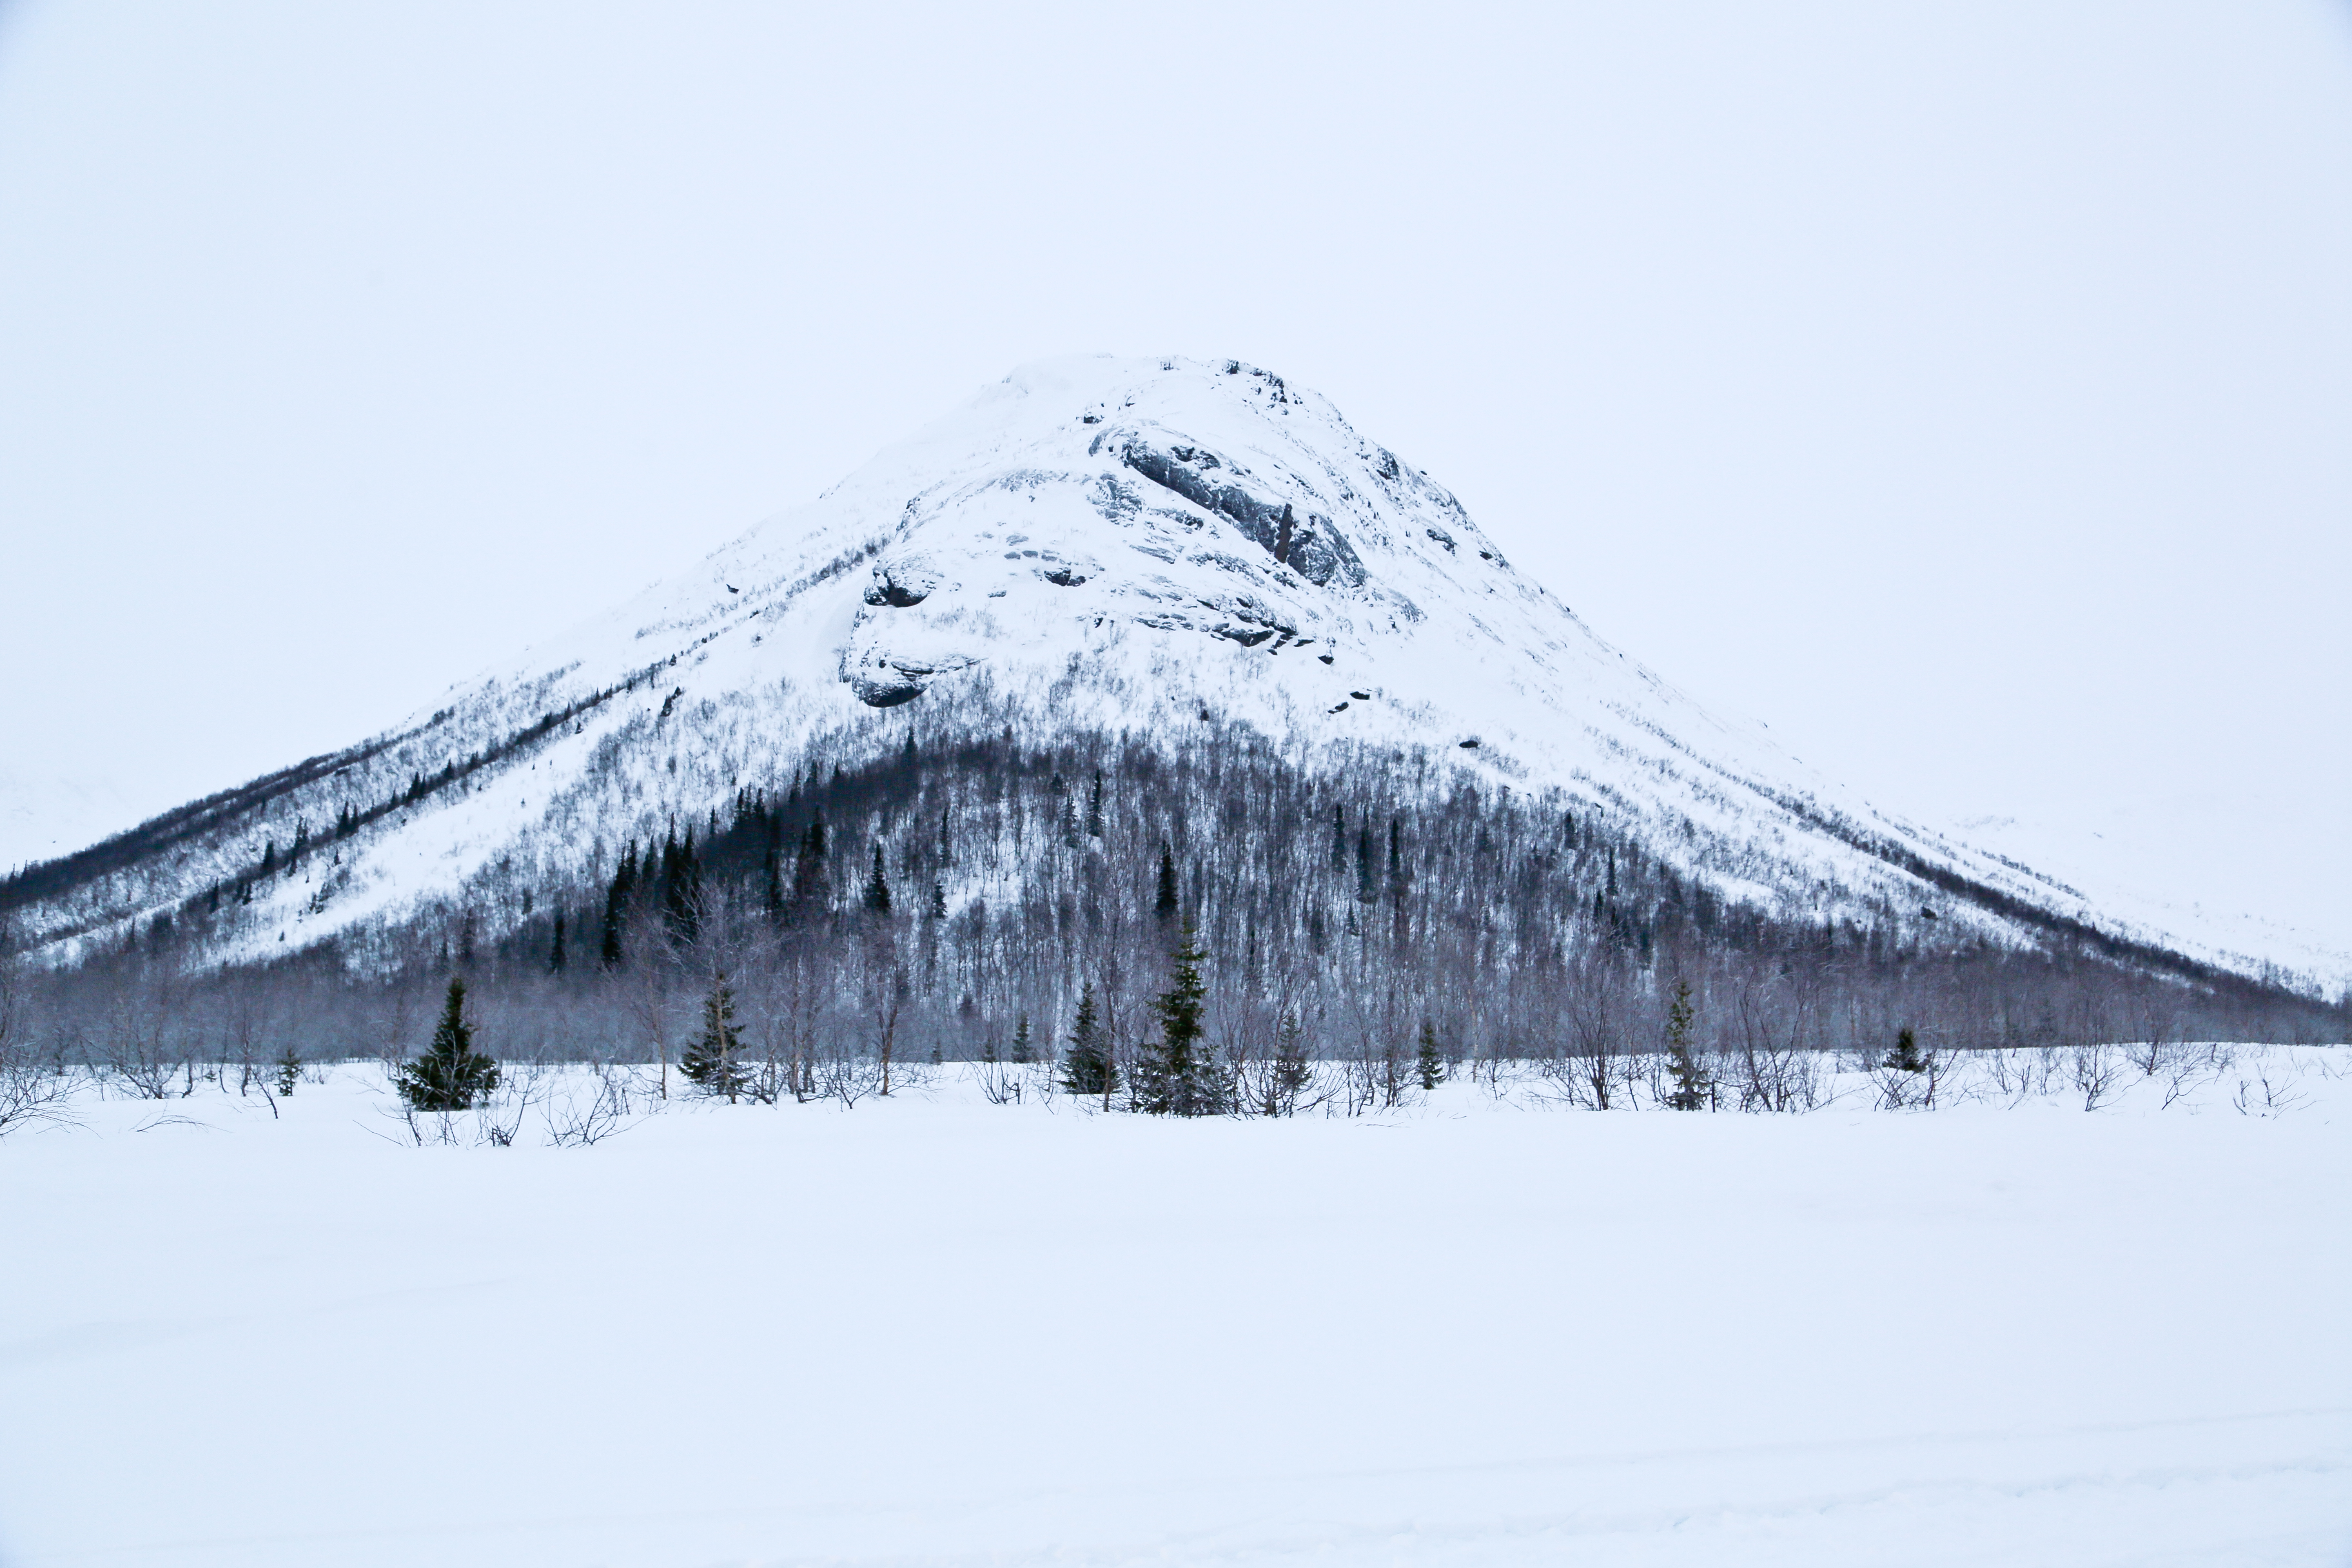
pixel 712 1060
pixel 451 1075
pixel 616 908
pixel 1164 906
pixel 1088 1071
pixel 1429 1062
pixel 1693 1089
pixel 1173 1075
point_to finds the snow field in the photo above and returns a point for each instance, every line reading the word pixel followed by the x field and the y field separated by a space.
pixel 933 1330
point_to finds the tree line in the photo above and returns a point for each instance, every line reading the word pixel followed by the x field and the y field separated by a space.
pixel 1178 930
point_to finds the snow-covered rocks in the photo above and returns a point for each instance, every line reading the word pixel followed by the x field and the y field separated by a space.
pixel 1097 544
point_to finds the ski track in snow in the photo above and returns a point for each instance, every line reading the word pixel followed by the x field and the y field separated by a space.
pixel 931 1331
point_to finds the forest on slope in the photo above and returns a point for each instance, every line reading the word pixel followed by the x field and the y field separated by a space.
pixel 958 903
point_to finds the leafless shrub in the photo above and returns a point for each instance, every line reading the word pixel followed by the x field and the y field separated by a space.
pixel 1005 1083
pixel 1764 1057
pixel 580 1121
pixel 33 1093
pixel 2183 1067
pixel 2096 1071
pixel 499 1118
pixel 2260 1096
pixel 848 1078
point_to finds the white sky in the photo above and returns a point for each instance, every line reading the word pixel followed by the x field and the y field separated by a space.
pixel 1966 390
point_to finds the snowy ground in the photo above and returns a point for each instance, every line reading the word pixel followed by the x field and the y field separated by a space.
pixel 938 1331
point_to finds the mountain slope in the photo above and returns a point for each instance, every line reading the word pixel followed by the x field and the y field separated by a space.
pixel 1166 548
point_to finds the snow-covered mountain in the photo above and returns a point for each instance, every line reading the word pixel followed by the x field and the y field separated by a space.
pixel 1162 547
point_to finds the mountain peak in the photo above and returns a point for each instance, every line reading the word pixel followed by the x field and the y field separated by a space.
pixel 1093 545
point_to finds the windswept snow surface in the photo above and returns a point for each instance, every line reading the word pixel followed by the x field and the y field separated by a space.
pixel 1092 544
pixel 931 1330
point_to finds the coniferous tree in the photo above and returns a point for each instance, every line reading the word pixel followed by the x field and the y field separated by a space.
pixel 1094 809
pixel 681 889
pixel 877 897
pixel 289 1072
pixel 1429 1062
pixel 1173 1076
pixel 1023 1049
pixel 451 1075
pixel 1906 1056
pixel 1694 1089
pixel 1164 907
pixel 711 1060
pixel 1291 1070
pixel 555 958
pixel 772 886
pixel 1087 1070
pixel 809 889
pixel 616 906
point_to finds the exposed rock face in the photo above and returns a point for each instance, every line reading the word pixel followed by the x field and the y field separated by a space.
pixel 1089 546
pixel 1309 545
pixel 905 580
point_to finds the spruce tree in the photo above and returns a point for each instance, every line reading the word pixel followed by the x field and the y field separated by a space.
pixel 681 891
pixel 711 1060
pixel 877 887
pixel 1429 1062
pixel 289 1072
pixel 451 1075
pixel 1694 1089
pixel 1087 1070
pixel 809 889
pixel 1164 907
pixel 1291 1072
pixel 1094 809
pixel 556 959
pixel 1906 1056
pixel 616 906
pixel 1173 1076
pixel 1025 1050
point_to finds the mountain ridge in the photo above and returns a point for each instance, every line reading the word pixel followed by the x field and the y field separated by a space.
pixel 1091 543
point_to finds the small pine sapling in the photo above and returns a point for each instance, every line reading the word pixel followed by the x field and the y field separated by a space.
pixel 451 1075
pixel 1429 1062
pixel 1693 1088
pixel 711 1060
pixel 1088 1071
pixel 1290 1075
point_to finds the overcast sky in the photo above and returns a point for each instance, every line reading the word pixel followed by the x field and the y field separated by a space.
pixel 1966 390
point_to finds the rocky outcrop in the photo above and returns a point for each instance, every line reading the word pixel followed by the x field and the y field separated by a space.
pixel 903 581
pixel 1308 544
